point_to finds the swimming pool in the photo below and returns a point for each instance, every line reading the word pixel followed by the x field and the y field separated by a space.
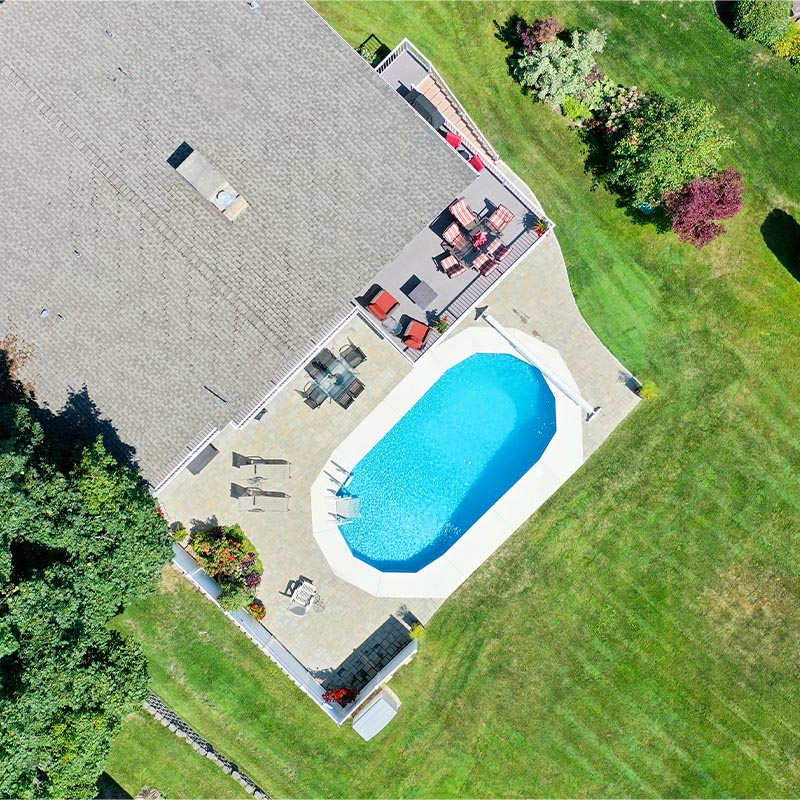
pixel 473 434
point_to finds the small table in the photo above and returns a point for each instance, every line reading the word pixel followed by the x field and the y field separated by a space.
pixel 392 325
pixel 422 294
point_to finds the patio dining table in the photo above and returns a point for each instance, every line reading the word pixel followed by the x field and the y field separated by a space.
pixel 336 379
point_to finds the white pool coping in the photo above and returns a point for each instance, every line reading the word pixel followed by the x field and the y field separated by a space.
pixel 561 458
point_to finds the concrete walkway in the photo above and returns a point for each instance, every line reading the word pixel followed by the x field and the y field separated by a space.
pixel 534 297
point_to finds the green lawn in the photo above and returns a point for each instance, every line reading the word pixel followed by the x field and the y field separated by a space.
pixel 641 634
pixel 148 754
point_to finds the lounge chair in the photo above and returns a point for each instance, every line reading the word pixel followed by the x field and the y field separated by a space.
pixel 415 333
pixel 463 214
pixel 452 267
pixel 455 237
pixel 499 219
pixel 273 468
pixel 382 304
pixel 355 388
pixel 264 501
pixel 352 354
pixel 315 397
pixel 276 469
pixel 476 162
pixel 302 597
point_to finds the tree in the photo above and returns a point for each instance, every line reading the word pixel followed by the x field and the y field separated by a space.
pixel 660 145
pixel 542 30
pixel 761 20
pixel 704 200
pixel 557 69
pixel 75 548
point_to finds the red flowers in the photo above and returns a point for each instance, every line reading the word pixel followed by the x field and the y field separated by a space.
pixel 341 696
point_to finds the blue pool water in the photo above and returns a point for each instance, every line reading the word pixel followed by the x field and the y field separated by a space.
pixel 460 448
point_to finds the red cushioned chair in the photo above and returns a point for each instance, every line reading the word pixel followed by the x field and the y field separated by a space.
pixel 499 218
pixel 454 236
pixel 453 139
pixel 476 162
pixel 463 214
pixel 502 252
pixel 382 304
pixel 452 267
pixel 481 261
pixel 415 333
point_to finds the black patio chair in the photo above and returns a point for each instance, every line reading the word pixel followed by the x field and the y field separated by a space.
pixel 324 359
pixel 314 370
pixel 352 354
pixel 345 400
pixel 315 397
pixel 355 388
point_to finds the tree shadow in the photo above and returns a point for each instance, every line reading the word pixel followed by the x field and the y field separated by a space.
pixel 508 34
pixel 12 389
pixel 724 9
pixel 78 424
pixel 68 430
pixel 781 233
pixel 597 157
pixel 376 49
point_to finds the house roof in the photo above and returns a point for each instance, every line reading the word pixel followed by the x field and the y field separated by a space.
pixel 171 316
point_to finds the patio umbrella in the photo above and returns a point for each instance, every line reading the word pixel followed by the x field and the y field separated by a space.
pixel 428 111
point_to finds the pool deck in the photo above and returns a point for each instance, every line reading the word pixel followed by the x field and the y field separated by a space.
pixel 536 299
pixel 562 456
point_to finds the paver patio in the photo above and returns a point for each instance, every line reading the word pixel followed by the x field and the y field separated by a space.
pixel 535 297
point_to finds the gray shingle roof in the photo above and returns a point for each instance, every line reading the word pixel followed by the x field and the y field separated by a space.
pixel 160 296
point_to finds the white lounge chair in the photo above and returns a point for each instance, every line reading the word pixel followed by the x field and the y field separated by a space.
pixel 264 501
pixel 302 598
pixel 276 469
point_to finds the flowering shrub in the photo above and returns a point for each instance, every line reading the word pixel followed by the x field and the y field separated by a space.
pixel 788 45
pixel 257 610
pixel 228 556
pixel 620 103
pixel 575 109
pixel 695 207
pixel 442 324
pixel 541 227
pixel 341 696
pixel 558 68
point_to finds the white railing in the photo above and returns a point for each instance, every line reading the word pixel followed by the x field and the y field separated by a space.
pixel 278 653
pixel 200 441
pixel 406 45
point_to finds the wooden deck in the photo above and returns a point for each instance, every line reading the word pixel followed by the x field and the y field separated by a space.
pixel 454 114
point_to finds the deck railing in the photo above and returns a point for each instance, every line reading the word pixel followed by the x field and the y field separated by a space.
pixel 406 45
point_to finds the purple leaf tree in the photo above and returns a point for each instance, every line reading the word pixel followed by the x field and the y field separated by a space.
pixel 695 208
